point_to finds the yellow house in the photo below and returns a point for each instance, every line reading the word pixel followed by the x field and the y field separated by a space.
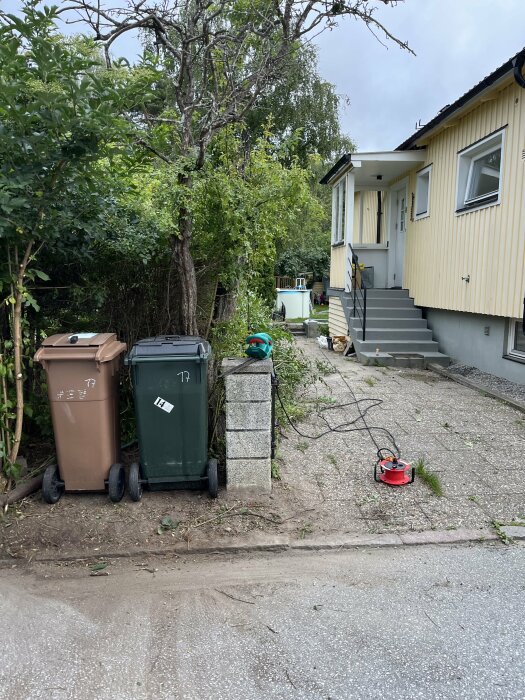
pixel 428 240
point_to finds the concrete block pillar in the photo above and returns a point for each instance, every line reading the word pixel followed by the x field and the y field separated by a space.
pixel 248 426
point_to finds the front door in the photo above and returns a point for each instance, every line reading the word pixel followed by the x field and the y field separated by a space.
pixel 397 238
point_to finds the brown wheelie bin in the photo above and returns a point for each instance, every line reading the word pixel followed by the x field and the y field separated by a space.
pixel 83 380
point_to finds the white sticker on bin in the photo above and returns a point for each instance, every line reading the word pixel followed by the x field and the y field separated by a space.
pixel 165 405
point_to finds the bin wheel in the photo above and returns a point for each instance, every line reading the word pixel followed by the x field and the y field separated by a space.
pixel 116 482
pixel 134 482
pixel 213 478
pixel 52 484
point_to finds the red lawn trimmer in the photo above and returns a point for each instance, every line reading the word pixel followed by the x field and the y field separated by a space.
pixel 393 471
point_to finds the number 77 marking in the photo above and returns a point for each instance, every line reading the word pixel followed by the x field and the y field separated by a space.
pixel 184 376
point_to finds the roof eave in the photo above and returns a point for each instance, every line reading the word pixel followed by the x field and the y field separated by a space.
pixel 501 75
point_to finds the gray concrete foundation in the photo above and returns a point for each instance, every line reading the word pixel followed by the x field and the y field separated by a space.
pixel 463 337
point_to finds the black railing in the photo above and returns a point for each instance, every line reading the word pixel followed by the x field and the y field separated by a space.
pixel 358 290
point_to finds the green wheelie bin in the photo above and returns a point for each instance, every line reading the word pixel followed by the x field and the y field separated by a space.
pixel 170 383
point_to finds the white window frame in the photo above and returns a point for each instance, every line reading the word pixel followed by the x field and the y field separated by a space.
pixel 466 160
pixel 511 351
pixel 339 218
pixel 419 177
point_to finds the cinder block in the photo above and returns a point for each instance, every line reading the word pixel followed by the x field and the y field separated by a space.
pixel 245 444
pixel 311 329
pixel 249 475
pixel 249 416
pixel 238 364
pixel 248 387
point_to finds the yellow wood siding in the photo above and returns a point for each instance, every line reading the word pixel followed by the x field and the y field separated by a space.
pixel 336 318
pixel 487 244
pixel 357 206
pixel 369 226
pixel 337 267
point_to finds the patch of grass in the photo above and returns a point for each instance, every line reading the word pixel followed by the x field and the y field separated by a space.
pixel 474 499
pixel 431 479
pixel 370 381
pixel 299 411
pixel 302 446
pixel 327 400
pixel 332 460
pixel 276 470
pixel 306 529
pixel 497 525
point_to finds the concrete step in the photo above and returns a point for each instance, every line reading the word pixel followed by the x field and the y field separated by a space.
pixel 382 293
pixel 414 360
pixel 413 322
pixel 387 334
pixel 401 346
pixel 386 302
pixel 373 311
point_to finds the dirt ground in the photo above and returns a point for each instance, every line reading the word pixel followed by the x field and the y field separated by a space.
pixel 473 443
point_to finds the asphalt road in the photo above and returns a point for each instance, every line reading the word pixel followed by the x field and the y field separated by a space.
pixel 414 622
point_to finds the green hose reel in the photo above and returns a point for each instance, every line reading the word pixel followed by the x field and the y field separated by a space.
pixel 259 346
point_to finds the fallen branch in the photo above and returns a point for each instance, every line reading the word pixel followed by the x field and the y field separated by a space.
pixel 241 600
pixel 21 491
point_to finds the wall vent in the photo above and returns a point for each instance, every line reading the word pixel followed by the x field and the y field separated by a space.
pixel 523 154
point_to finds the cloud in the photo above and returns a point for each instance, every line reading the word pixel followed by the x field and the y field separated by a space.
pixel 457 45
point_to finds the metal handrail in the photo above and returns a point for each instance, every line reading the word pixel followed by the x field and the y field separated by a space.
pixel 359 291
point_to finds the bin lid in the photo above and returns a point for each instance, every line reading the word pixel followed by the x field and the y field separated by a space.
pixel 169 345
pixel 101 347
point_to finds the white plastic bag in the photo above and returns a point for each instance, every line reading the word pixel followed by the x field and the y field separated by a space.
pixel 323 342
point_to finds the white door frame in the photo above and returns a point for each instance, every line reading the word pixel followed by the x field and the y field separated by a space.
pixel 392 231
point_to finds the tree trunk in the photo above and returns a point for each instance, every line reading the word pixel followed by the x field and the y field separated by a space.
pixel 186 279
pixel 17 347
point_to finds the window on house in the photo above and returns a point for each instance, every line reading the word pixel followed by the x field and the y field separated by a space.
pixel 340 212
pixel 423 193
pixel 516 339
pixel 479 174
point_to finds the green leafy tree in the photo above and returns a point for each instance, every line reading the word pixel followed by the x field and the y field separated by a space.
pixel 57 117
pixel 223 56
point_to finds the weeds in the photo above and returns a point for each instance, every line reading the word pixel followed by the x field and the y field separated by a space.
pixel 431 479
pixel 332 460
pixel 370 381
pixel 276 470
pixel 306 529
pixel 497 525
pixel 302 446
pixel 167 525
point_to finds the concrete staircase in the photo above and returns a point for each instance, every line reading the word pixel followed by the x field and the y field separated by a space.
pixel 396 333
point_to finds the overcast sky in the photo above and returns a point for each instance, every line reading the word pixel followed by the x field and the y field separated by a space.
pixel 457 43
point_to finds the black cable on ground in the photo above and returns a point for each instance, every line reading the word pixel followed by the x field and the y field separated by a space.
pixel 343 427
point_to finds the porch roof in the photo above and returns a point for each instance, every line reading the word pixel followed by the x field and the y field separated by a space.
pixel 374 171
